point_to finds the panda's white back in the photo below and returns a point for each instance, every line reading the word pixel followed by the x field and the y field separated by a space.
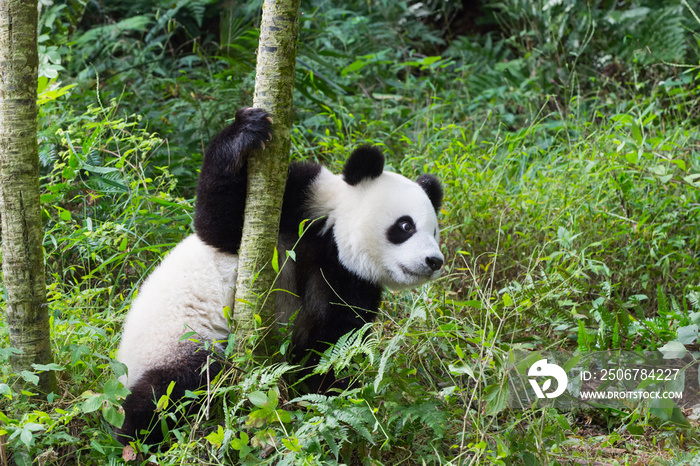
pixel 185 293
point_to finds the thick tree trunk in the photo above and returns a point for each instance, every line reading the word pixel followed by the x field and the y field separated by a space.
pixel 22 253
pixel 267 170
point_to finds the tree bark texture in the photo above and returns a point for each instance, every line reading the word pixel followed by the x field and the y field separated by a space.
pixel 267 169
pixel 22 251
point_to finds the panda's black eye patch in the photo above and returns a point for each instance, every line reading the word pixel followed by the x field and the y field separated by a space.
pixel 402 229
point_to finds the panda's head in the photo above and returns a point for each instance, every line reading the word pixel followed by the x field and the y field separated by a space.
pixel 385 225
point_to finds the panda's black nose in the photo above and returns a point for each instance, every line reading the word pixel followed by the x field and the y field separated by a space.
pixel 433 262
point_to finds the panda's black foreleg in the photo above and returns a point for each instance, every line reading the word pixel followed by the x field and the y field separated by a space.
pixel 334 303
pixel 221 190
pixel 141 421
pixel 308 355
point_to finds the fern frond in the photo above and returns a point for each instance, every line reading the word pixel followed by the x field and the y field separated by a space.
pixel 694 299
pixel 265 377
pixel 429 413
pixel 312 398
pixel 346 348
pixel 357 423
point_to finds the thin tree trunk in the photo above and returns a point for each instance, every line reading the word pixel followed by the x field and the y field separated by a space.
pixel 22 252
pixel 267 170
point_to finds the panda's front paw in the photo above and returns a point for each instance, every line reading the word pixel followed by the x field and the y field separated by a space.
pixel 256 124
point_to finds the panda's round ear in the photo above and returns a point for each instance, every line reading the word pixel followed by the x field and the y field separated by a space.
pixel 432 187
pixel 366 162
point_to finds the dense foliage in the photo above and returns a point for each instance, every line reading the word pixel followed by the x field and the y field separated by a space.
pixel 567 136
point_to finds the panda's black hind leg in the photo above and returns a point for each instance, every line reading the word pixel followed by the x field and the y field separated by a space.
pixel 141 421
pixel 221 190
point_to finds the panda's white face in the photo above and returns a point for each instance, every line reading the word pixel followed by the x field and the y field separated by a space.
pixel 385 228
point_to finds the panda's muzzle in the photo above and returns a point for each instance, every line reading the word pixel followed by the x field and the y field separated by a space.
pixel 427 271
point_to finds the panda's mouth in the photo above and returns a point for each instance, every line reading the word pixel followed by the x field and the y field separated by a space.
pixel 408 271
pixel 412 273
pixel 403 278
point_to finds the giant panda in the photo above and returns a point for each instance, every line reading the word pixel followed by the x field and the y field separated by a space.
pixel 370 230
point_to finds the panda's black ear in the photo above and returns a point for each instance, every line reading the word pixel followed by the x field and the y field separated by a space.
pixel 366 162
pixel 432 187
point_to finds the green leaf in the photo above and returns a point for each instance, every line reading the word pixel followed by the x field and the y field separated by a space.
pixel 272 398
pixel 427 61
pixel 47 95
pixel 673 350
pixel 164 401
pixel 5 391
pixel 93 403
pixel 216 438
pixel 119 368
pixel 667 410
pixel 292 444
pixel 258 398
pixel 301 226
pixel 42 82
pixel 635 429
pixel 100 170
pixel 679 163
pixel 496 398
pixel 692 179
pixel 462 369
pixel 529 459
pixel 26 437
pixel 275 261
pixel 113 389
pixel 240 443
pixel 33 426
pixel 284 416
pixel 47 367
pixel 245 451
pixel 63 214
pixel 112 415
pixel 258 418
pixel 687 335
pixel 29 377
pixel 658 169
pixel 331 441
pixel 507 300
pixel 695 317
pixel 637 134
pixel 354 66
pixel 227 313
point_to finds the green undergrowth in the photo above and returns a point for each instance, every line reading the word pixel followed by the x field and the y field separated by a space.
pixel 571 233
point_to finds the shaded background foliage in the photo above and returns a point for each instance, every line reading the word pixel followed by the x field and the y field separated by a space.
pixel 566 133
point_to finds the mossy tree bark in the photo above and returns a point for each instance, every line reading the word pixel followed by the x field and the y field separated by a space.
pixel 267 171
pixel 20 212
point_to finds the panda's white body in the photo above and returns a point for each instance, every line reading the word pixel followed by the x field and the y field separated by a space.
pixel 368 229
pixel 186 293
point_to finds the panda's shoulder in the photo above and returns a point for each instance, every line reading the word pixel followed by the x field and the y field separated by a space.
pixel 191 263
pixel 301 177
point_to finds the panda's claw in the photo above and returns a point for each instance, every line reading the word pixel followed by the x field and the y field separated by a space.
pixel 252 127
